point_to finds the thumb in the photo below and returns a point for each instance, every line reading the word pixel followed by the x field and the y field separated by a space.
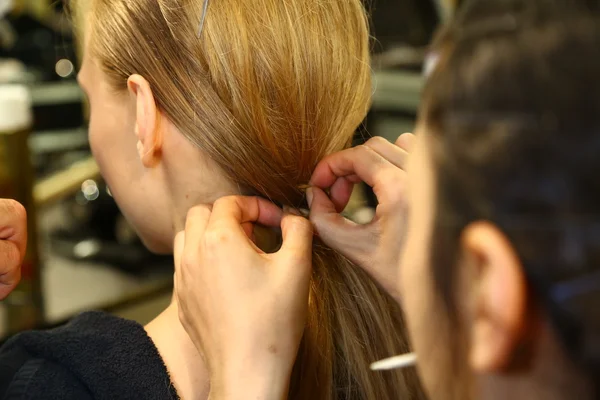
pixel 319 202
pixel 297 234
pixel 352 240
pixel 324 216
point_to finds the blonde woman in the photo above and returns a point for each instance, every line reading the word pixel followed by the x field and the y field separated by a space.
pixel 192 101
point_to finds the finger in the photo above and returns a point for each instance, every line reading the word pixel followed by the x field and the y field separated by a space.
pixel 367 164
pixel 195 225
pixel 406 141
pixel 319 202
pixel 340 193
pixel 297 233
pixel 339 233
pixel 361 161
pixel 233 211
pixel 392 153
pixel 10 267
pixel 13 224
pixel 248 228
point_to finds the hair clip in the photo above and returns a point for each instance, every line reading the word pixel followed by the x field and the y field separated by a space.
pixel 203 18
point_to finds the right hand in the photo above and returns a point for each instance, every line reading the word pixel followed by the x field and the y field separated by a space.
pixel 244 310
pixel 376 246
pixel 13 242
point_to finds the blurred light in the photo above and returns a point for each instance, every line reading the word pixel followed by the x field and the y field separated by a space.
pixel 80 199
pixel 364 215
pixel 5 7
pixel 64 68
pixel 90 190
pixel 86 248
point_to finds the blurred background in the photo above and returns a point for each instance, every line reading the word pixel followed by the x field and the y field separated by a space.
pixel 83 255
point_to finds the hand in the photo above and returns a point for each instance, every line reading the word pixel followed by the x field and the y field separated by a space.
pixel 13 242
pixel 375 246
pixel 245 310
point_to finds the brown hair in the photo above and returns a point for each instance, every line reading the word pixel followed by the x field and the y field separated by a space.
pixel 268 89
pixel 512 114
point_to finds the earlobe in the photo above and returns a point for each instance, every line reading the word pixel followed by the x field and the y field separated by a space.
pixel 498 298
pixel 147 130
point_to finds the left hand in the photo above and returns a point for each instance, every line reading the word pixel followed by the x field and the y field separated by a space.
pixel 376 246
pixel 245 310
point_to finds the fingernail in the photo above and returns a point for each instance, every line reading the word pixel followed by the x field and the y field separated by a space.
pixel 309 197
pixel 290 210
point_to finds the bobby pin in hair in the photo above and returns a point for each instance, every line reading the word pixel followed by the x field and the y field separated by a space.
pixel 304 212
pixel 203 18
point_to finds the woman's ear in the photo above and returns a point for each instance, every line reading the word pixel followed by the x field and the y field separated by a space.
pixel 498 297
pixel 147 130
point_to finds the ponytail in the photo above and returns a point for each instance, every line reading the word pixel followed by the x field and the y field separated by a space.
pixel 352 322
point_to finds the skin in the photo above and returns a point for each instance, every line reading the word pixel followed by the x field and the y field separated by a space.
pixel 492 301
pixel 218 241
pixel 232 341
pixel 13 243
pixel 156 176
pixel 496 316
pixel 150 168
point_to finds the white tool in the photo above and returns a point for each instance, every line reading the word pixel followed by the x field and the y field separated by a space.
pixel 403 361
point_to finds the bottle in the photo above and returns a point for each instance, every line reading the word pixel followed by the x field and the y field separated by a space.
pixel 23 309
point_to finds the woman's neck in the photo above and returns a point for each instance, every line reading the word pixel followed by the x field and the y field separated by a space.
pixel 183 361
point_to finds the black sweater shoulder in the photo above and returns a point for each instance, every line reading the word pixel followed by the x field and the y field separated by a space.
pixel 95 356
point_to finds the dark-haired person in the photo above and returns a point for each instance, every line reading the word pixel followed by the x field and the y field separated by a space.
pixel 13 241
pixel 499 275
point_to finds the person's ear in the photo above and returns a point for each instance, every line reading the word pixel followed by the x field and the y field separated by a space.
pixel 149 137
pixel 498 297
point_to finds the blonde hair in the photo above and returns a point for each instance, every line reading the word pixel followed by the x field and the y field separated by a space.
pixel 268 89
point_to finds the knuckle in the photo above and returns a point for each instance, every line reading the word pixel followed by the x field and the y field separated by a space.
pixel 377 141
pixel 200 211
pixel 398 142
pixel 361 148
pixel 402 139
pixel 301 223
pixel 225 200
pixel 393 182
pixel 367 150
pixel 189 260
pixel 217 237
